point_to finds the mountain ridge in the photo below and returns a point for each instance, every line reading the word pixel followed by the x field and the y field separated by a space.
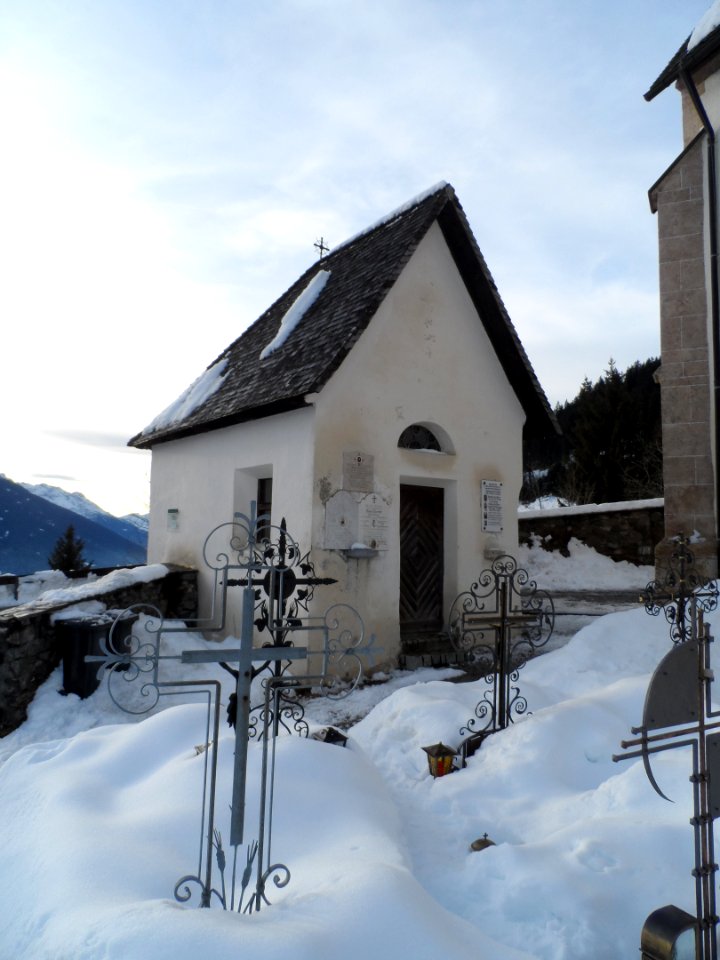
pixel 132 527
pixel 30 526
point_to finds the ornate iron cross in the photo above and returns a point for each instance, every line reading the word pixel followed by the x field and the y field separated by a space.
pixel 270 600
pixel 681 593
pixel 678 713
pixel 497 625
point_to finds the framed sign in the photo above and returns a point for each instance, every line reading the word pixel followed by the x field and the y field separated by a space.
pixel 492 512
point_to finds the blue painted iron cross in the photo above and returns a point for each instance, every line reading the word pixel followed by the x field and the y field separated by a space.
pixel 275 576
pixel 277 584
pixel 244 657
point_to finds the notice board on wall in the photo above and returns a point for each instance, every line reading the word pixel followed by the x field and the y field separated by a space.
pixel 492 508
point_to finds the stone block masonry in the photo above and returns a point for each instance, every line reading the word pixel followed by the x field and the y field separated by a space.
pixel 29 651
pixel 623 531
pixel 685 375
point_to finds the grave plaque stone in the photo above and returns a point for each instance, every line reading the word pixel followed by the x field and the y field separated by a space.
pixel 373 522
pixel 341 521
pixel 358 471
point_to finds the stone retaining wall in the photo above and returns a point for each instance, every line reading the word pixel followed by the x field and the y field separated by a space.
pixel 623 531
pixel 29 650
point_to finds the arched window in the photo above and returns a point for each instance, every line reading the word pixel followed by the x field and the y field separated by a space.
pixel 419 437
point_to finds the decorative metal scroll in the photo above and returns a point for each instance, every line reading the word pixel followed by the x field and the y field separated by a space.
pixel 678 713
pixel 277 582
pixel 283 593
pixel 496 626
pixel 681 594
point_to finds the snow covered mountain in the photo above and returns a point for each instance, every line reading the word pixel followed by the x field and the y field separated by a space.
pixel 133 527
pixel 30 526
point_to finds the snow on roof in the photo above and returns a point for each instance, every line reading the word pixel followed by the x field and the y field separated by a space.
pixel 394 214
pixel 616 506
pixel 297 310
pixel 705 26
pixel 195 395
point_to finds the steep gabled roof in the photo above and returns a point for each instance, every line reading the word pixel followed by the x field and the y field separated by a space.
pixel 362 271
pixel 688 58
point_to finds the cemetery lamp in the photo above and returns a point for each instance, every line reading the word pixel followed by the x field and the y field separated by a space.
pixel 663 931
pixel 440 759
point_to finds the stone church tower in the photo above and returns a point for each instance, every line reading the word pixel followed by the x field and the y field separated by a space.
pixel 685 199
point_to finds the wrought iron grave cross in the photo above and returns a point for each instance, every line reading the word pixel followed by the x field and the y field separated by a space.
pixel 270 600
pixel 681 593
pixel 496 626
pixel 678 713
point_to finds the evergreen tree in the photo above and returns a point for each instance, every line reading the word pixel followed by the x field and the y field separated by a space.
pixel 67 554
pixel 612 445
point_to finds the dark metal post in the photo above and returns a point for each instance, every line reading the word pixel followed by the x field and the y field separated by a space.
pixel 678 713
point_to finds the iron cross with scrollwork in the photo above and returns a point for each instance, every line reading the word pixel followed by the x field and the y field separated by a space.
pixel 495 626
pixel 282 597
pixel 268 582
pixel 681 593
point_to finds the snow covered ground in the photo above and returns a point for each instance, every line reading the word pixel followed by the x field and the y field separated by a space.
pixel 99 819
pixel 583 569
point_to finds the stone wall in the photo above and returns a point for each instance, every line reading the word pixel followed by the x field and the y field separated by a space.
pixel 685 374
pixel 29 648
pixel 620 531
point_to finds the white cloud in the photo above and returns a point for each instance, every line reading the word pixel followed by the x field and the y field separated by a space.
pixel 163 177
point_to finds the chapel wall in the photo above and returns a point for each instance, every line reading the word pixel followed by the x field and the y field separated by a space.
pixel 199 482
pixel 425 358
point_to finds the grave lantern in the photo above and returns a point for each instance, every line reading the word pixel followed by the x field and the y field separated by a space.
pixel 663 932
pixel 440 759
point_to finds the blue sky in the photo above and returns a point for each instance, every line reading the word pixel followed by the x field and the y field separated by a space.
pixel 167 166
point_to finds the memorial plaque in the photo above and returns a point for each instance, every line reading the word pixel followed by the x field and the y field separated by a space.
pixel 341 521
pixel 373 522
pixel 492 513
pixel 358 471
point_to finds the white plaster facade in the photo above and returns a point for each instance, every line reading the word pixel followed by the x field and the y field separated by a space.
pixel 424 358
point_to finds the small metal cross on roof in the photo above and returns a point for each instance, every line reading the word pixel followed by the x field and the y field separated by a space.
pixel 321 247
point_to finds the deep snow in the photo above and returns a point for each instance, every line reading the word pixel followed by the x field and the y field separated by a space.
pixel 100 814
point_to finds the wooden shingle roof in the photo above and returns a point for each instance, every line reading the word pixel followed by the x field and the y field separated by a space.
pixel 362 271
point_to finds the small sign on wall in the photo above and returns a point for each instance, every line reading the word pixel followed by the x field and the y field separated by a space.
pixel 358 471
pixel 492 513
pixel 373 522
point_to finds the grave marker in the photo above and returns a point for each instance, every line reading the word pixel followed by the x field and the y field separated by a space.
pixel 277 585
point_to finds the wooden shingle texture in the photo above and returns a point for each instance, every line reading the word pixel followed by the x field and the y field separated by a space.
pixel 362 271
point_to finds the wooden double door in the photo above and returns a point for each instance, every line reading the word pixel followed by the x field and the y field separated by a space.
pixel 422 512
